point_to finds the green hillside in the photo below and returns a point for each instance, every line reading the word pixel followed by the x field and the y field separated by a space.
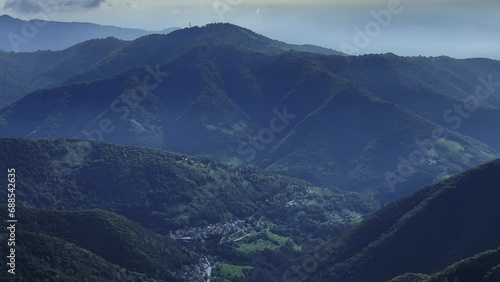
pixel 483 267
pixel 43 258
pixel 424 233
pixel 221 101
pixel 112 237
pixel 229 214
pixel 22 73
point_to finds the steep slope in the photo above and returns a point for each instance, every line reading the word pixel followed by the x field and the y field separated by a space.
pixel 56 36
pixel 282 112
pixel 483 267
pixel 410 277
pixel 22 73
pixel 362 140
pixel 112 237
pixel 120 245
pixel 461 95
pixel 45 258
pixel 423 233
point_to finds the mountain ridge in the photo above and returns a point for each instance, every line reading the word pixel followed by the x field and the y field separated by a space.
pixel 408 226
pixel 47 33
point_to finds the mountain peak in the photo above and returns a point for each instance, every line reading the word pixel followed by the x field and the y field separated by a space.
pixel 6 17
pixel 223 30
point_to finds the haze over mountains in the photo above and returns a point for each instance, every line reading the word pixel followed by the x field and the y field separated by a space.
pixel 34 35
pixel 217 154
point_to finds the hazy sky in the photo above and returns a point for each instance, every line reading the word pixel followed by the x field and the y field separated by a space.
pixel 457 28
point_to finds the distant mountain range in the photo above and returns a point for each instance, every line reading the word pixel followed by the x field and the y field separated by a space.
pixel 376 123
pixel 29 36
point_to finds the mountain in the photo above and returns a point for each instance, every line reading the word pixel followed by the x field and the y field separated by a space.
pixel 22 73
pixel 465 94
pixel 124 248
pixel 215 99
pixel 50 35
pixel 178 191
pixel 47 259
pixel 225 214
pixel 483 267
pixel 158 49
pixel 424 233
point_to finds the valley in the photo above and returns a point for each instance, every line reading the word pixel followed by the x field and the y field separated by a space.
pixel 227 214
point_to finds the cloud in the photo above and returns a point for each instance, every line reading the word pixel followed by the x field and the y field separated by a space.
pixel 38 6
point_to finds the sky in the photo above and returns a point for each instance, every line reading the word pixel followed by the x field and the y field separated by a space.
pixel 456 28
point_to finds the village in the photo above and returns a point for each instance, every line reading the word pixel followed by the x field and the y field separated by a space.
pixel 227 230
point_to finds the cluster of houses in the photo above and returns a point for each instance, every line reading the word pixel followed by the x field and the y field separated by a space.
pixel 224 229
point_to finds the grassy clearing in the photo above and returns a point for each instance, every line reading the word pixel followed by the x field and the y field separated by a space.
pixel 450 145
pixel 257 246
pixel 229 272
pixel 277 238
pixel 271 241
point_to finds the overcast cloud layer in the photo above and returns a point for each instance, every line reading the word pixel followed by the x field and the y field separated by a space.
pixel 457 28
pixel 40 6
